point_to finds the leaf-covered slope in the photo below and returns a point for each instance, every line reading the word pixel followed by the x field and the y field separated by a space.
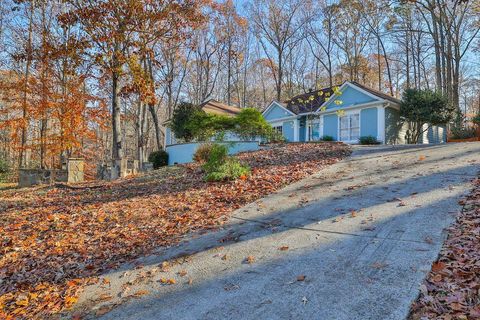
pixel 452 288
pixel 54 240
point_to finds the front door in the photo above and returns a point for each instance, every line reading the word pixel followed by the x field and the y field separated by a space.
pixel 350 127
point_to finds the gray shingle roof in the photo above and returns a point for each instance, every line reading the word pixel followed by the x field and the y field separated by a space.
pixel 303 103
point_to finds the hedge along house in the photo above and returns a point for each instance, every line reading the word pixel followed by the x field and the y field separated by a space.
pixel 184 152
pixel 344 113
pixel 210 106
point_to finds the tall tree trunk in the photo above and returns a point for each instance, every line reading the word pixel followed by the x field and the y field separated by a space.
pixel 280 75
pixel 229 71
pixel 116 121
pixel 414 59
pixel 443 53
pixel 407 57
pixel 419 52
pixel 140 129
pixel 44 94
pixel 379 65
pixel 151 108
pixel 438 63
pixel 156 125
pixel 22 156
pixel 387 65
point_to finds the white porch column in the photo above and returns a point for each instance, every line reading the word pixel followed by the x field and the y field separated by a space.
pixel 307 123
pixel 295 130
pixel 381 124
pixel 320 127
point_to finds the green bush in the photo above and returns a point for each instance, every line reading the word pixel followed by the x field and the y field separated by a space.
pixel 190 122
pixel 250 125
pixel 203 153
pixel 425 107
pixel 367 140
pixel 158 158
pixel 327 138
pixel 182 115
pixel 231 169
pixel 476 119
pixel 218 155
pixel 462 133
pixel 204 126
pixel 275 136
pixel 221 167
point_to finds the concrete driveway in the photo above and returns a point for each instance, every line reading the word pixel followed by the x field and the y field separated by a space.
pixel 353 241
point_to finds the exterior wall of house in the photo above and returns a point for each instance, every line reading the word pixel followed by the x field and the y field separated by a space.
pixel 434 134
pixel 276 112
pixel 350 96
pixel 288 130
pixel 330 126
pixel 368 122
pixel 183 152
pixel 395 129
pixel 168 136
pixel 374 119
pixel 302 129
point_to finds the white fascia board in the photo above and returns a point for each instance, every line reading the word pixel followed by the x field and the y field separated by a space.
pixel 392 105
pixel 355 106
pixel 282 119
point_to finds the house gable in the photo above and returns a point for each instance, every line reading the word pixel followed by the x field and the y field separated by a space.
pixel 276 111
pixel 351 96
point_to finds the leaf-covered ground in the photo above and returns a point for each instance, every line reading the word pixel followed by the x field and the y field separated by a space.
pixel 56 239
pixel 452 288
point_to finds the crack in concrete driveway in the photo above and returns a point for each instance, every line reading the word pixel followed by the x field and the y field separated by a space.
pixel 353 241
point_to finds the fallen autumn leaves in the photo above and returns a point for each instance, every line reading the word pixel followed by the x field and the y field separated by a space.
pixel 54 240
pixel 452 288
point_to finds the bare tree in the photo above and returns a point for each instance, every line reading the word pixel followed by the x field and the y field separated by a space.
pixel 320 36
pixel 350 33
pixel 278 25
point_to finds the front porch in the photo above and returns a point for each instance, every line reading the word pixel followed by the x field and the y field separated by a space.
pixel 346 126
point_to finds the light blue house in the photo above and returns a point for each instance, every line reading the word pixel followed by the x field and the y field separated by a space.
pixel 345 113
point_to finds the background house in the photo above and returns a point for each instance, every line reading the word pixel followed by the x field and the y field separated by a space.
pixel 345 113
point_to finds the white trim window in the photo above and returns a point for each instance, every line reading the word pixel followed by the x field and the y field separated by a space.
pixel 349 127
pixel 278 128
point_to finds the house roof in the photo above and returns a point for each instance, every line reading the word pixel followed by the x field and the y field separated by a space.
pixel 377 93
pixel 303 103
pixel 216 107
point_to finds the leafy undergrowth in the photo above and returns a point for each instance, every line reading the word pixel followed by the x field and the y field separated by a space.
pixel 452 288
pixel 56 239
